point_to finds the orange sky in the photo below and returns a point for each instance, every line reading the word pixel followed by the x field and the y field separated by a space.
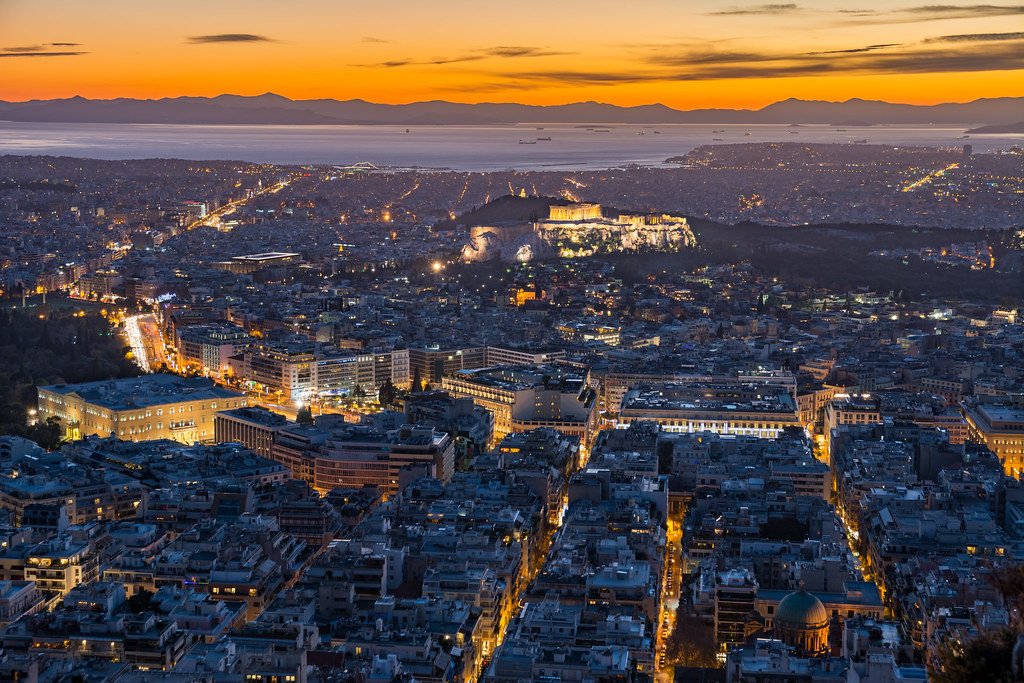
pixel 678 52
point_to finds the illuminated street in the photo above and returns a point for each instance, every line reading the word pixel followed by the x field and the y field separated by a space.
pixel 929 177
pixel 140 342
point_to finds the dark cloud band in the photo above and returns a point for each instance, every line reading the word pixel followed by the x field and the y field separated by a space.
pixel 499 52
pixel 994 56
pixel 229 38
pixel 42 54
pixel 976 37
pixel 782 8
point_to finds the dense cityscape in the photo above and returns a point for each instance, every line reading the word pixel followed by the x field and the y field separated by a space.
pixel 572 342
pixel 363 424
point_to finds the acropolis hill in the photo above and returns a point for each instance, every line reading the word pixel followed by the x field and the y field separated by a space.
pixel 578 230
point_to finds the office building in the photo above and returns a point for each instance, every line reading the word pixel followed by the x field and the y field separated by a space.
pixel 527 397
pixel 740 409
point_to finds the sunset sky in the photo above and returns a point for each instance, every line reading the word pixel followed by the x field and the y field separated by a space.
pixel 682 53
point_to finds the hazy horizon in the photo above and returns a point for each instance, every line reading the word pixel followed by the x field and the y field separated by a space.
pixel 685 54
pixel 755 107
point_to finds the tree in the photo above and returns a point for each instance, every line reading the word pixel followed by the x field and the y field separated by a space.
pixel 986 657
pixel 692 642
pixel 1009 581
pixel 417 383
pixel 140 602
pixel 359 392
pixel 989 656
pixel 304 415
pixel 387 393
pixel 47 434
pixel 58 348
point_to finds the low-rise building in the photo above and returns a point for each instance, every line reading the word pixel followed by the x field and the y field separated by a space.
pixel 527 397
pixel 743 410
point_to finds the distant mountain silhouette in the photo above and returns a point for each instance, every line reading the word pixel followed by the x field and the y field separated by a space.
pixel 270 108
pixel 1010 128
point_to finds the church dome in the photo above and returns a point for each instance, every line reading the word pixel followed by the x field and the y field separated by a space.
pixel 801 610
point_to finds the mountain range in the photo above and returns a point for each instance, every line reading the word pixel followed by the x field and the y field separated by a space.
pixel 272 109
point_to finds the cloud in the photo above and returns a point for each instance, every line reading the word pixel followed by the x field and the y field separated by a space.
pixel 396 63
pixel 975 37
pixel 964 11
pixel 921 13
pixel 453 60
pixel 878 60
pixel 487 86
pixel 855 50
pixel 499 52
pixel 373 39
pixel 785 8
pixel 575 78
pixel 40 50
pixel 229 38
pixel 41 54
pixel 513 51
pixel 33 49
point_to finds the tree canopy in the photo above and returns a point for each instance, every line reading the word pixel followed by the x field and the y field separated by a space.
pixel 52 347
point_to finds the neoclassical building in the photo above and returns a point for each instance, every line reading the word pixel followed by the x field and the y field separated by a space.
pixel 801 621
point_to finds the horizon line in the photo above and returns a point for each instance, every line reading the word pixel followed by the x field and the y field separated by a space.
pixel 509 103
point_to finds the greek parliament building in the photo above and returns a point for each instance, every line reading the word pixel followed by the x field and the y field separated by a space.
pixel 722 408
pixel 139 408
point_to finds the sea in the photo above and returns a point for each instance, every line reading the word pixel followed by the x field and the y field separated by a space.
pixel 556 147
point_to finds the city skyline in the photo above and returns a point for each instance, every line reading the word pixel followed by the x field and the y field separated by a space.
pixel 457 342
pixel 682 54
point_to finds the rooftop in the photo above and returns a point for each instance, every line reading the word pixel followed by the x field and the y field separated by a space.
pixel 266 256
pixel 672 397
pixel 144 391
